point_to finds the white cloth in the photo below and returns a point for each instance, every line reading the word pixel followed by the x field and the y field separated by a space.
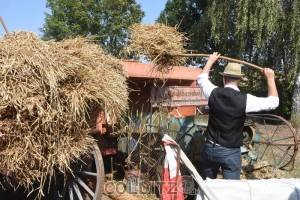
pixel 254 104
pixel 271 189
pixel 170 162
pixel 184 159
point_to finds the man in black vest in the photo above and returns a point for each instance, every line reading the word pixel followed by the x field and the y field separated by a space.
pixel 227 113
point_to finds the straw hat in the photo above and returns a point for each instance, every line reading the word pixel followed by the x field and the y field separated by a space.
pixel 233 70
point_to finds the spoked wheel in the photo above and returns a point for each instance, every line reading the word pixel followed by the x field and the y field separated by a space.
pixel 274 140
pixel 86 182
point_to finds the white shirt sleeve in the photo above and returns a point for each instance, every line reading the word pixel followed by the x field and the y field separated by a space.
pixel 205 85
pixel 253 104
pixel 256 104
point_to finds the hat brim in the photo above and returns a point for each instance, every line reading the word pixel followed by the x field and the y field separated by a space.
pixel 232 75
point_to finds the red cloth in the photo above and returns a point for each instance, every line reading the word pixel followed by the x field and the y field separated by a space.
pixel 171 186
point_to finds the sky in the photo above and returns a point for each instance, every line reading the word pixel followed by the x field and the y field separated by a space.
pixel 29 14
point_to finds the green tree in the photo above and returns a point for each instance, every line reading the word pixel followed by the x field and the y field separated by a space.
pixel 105 20
pixel 265 33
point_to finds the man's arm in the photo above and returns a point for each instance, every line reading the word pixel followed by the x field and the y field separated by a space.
pixel 270 77
pixel 205 85
pixel 211 60
pixel 255 104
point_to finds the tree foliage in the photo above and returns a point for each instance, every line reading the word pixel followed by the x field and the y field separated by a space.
pixel 105 20
pixel 265 33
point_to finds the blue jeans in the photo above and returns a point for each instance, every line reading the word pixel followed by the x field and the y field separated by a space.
pixel 214 157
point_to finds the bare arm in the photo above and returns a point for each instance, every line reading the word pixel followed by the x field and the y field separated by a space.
pixel 211 60
pixel 205 85
pixel 270 77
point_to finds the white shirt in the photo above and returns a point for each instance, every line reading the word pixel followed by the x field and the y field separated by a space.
pixel 253 104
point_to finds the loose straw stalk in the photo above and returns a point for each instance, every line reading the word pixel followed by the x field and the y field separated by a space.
pixel 222 57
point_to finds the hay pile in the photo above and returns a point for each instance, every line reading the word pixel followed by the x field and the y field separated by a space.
pixel 48 94
pixel 158 42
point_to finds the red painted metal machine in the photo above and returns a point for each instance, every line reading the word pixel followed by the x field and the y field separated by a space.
pixel 176 92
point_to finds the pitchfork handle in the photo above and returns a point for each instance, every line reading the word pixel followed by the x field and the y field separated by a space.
pixel 3 24
pixel 221 57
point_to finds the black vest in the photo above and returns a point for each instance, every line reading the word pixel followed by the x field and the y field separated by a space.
pixel 227 114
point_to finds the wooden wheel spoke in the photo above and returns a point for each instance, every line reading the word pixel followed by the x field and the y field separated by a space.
pixel 77 191
pixel 70 192
pixel 86 173
pixel 84 186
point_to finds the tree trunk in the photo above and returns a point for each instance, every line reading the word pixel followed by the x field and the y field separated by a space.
pixel 295 115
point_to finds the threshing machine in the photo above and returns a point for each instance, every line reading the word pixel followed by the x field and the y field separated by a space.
pixel 169 103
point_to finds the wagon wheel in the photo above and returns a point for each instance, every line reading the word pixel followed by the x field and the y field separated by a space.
pixel 275 140
pixel 86 182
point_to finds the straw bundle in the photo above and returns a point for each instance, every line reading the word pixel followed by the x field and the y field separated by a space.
pixel 158 43
pixel 48 93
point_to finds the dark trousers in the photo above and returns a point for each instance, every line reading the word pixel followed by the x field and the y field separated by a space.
pixel 214 157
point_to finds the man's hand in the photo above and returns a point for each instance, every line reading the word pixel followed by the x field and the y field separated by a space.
pixel 269 73
pixel 270 76
pixel 211 60
pixel 214 57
